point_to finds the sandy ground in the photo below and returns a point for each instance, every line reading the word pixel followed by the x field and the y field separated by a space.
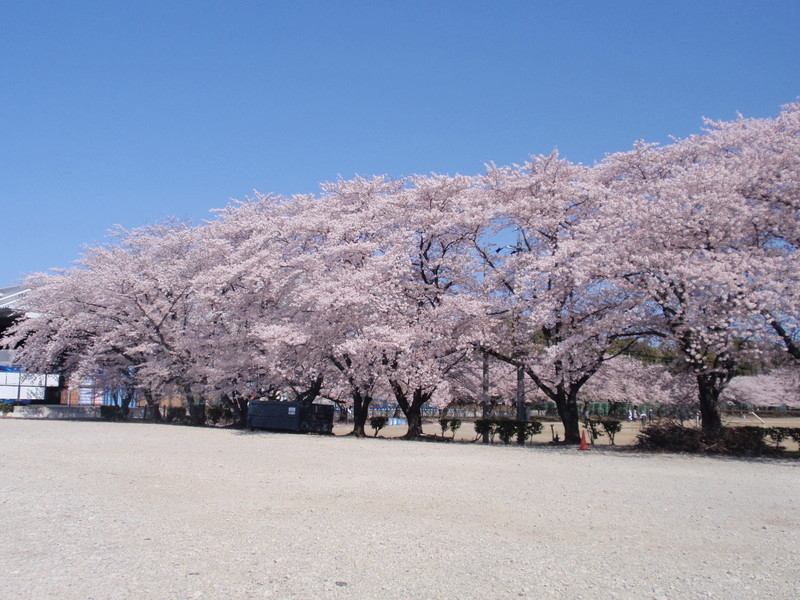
pixel 94 510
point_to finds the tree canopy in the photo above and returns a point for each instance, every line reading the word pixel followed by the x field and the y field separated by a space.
pixel 383 287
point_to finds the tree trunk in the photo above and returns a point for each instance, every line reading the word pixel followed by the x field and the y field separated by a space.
pixel 361 401
pixel 567 407
pixel 152 408
pixel 196 410
pixel 710 386
pixel 242 404
pixel 521 405
pixel 414 417
pixel 411 410
pixel 566 398
pixel 309 395
pixel 238 407
pixel 125 401
pixel 360 413
pixel 485 395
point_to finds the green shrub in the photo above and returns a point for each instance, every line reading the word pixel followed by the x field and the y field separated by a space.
pixel 455 425
pixel 593 426
pixel 733 441
pixel 506 429
pixel 527 429
pixel 485 427
pixel 378 423
pixel 778 434
pixel 612 427
pixel 533 428
pixel 175 414
pixel 112 412
pixel 740 441
pixel 216 413
pixel 450 425
pixel 794 433
pixel 6 407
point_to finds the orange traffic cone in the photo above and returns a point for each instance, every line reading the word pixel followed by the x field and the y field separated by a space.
pixel 583 445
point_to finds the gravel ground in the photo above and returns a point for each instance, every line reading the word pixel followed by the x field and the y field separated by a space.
pixel 94 510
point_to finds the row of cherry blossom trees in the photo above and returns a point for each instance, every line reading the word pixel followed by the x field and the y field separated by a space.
pixel 378 287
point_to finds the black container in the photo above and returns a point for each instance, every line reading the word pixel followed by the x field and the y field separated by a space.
pixel 290 416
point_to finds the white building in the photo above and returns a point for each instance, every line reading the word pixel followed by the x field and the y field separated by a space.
pixel 15 385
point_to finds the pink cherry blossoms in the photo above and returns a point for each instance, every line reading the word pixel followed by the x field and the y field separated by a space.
pixel 396 290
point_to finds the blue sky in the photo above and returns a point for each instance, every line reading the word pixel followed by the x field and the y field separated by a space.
pixel 128 113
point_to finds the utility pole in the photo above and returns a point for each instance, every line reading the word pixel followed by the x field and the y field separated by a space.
pixel 485 394
pixel 521 404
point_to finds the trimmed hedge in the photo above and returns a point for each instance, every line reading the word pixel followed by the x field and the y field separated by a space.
pixel 507 429
pixel 732 441
pixel 112 412
pixel 176 414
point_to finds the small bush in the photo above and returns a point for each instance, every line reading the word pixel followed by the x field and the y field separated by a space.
pixel 533 428
pixel 794 433
pixel 527 429
pixel 455 425
pixel 612 427
pixel 778 434
pixel 733 441
pixel 6 407
pixel 216 413
pixel 740 441
pixel 485 427
pixel 593 426
pixel 175 414
pixel 112 412
pixel 378 423
pixel 450 425
pixel 506 429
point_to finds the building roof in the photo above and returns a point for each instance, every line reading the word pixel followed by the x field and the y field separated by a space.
pixel 11 296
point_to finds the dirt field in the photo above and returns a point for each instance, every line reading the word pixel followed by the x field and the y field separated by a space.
pixel 94 510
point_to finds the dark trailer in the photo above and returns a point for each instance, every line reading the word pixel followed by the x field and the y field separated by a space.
pixel 290 416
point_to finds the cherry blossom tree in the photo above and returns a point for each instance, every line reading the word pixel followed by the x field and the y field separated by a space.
pixel 761 160
pixel 687 231
pixel 393 265
pixel 630 381
pixel 130 308
pixel 63 330
pixel 264 317
pixel 556 306
pixel 378 286
pixel 779 388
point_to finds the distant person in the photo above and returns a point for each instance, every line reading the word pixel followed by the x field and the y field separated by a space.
pixel 644 419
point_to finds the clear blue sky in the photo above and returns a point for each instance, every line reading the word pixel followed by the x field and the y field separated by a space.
pixel 127 113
